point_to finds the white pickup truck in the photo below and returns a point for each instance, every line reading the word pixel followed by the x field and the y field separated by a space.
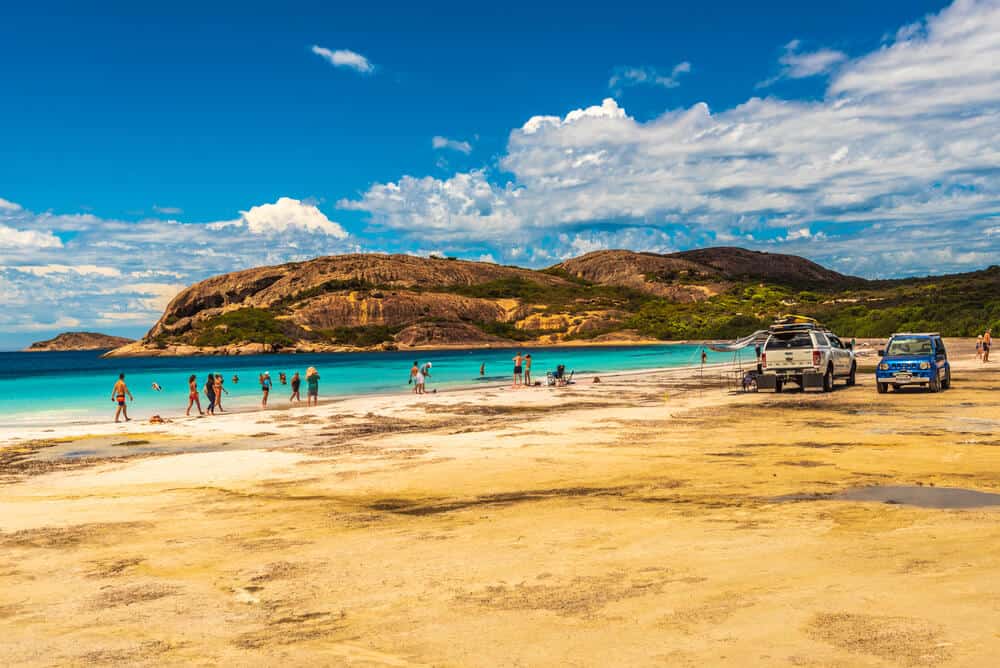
pixel 807 355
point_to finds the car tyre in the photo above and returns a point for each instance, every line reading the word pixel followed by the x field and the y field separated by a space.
pixel 935 384
pixel 882 387
pixel 852 378
pixel 946 383
pixel 828 380
pixel 777 386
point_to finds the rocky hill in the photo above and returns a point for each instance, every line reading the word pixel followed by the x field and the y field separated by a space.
pixel 372 301
pixel 696 275
pixel 78 341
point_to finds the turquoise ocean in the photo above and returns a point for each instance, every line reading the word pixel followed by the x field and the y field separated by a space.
pixel 66 387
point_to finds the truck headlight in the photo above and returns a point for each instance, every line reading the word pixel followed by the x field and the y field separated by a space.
pixel 925 365
pixel 883 366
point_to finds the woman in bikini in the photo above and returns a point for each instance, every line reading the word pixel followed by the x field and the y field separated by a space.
pixel 193 395
pixel 218 392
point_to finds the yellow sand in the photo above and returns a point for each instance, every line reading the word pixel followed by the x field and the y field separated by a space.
pixel 595 525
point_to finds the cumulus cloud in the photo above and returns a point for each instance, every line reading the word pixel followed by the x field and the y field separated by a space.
pixel 901 150
pixel 344 58
pixel 290 214
pixel 440 142
pixel 11 237
pixel 6 205
pixel 114 273
pixel 648 76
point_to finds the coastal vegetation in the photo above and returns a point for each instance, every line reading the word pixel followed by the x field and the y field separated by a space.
pixel 378 301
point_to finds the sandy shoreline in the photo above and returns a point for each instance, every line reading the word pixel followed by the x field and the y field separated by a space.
pixel 652 519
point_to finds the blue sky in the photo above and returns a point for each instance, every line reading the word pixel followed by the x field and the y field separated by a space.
pixel 145 147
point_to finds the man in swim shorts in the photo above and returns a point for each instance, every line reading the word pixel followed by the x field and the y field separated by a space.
pixel 296 384
pixel 312 383
pixel 118 394
pixel 265 388
pixel 517 359
pixel 415 377
pixel 527 369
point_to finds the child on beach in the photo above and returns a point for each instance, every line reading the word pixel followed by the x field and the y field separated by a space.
pixel 118 394
pixel 193 395
pixel 979 347
pixel 312 381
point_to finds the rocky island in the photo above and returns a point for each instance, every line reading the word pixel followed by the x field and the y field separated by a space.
pixel 78 341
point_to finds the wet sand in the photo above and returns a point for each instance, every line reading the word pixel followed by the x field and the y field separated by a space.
pixel 651 519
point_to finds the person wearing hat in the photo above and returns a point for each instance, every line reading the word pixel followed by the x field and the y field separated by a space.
pixel 265 388
pixel 312 384
pixel 425 373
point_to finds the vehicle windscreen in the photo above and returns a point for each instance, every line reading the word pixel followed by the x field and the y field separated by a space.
pixel 910 346
pixel 789 341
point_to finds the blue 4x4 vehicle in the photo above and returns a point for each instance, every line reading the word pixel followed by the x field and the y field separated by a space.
pixel 913 359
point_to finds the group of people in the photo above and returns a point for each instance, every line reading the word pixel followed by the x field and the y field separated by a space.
pixel 522 369
pixel 419 373
pixel 983 345
pixel 214 389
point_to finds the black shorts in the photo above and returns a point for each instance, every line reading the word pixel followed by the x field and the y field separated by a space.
pixel 517 369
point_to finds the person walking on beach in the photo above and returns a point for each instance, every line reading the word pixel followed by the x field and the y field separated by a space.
pixel 517 359
pixel 415 377
pixel 312 385
pixel 527 369
pixel 118 394
pixel 979 347
pixel 265 388
pixel 987 344
pixel 296 384
pixel 210 394
pixel 193 395
pixel 218 392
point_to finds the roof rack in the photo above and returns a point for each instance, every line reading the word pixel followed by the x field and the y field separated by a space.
pixel 796 323
pixel 916 334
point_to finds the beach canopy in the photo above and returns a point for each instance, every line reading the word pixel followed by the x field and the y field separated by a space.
pixel 755 339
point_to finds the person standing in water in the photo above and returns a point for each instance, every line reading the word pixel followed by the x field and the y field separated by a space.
pixel 210 394
pixel 422 376
pixel 517 359
pixel 219 391
pixel 296 384
pixel 265 388
pixel 415 377
pixel 312 383
pixel 482 369
pixel 527 369
pixel 118 394
pixel 193 395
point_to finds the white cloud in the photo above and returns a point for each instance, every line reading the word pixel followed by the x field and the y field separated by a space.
pixel 287 214
pixel 796 64
pixel 440 142
pixel 11 237
pixel 904 139
pixel 82 270
pixel 6 205
pixel 168 210
pixel 344 58
pixel 648 76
